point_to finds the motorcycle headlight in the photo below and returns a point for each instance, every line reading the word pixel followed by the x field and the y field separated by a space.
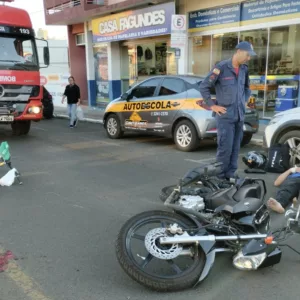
pixel 252 262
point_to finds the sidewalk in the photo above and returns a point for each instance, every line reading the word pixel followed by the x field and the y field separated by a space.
pixel 95 115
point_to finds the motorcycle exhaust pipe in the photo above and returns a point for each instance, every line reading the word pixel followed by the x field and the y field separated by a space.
pixel 185 239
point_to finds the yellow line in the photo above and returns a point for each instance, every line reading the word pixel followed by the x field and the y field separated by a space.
pixel 23 281
pixel 33 174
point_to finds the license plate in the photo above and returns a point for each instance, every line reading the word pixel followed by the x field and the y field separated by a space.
pixel 6 118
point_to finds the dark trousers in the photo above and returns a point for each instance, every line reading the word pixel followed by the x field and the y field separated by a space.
pixel 288 191
pixel 229 136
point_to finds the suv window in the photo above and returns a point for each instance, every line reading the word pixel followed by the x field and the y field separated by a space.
pixel 171 86
pixel 212 89
pixel 145 89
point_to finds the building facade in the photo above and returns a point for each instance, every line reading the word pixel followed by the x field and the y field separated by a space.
pixel 114 44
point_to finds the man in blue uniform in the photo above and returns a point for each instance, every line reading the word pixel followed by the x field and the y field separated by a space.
pixel 231 81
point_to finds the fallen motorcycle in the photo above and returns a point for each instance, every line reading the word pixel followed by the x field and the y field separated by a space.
pixel 171 251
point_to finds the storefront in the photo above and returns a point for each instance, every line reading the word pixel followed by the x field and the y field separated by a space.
pixel 273 28
pixel 131 46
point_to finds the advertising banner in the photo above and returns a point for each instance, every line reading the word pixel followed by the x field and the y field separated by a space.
pixel 55 84
pixel 273 9
pixel 214 18
pixel 249 12
pixel 150 21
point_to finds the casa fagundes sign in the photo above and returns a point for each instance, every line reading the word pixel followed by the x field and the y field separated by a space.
pixel 150 21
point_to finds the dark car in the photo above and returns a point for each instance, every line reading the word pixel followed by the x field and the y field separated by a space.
pixel 170 106
pixel 47 102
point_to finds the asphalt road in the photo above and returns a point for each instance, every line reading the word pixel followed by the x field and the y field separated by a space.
pixel 79 187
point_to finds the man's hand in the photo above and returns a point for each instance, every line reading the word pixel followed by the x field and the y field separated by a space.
pixel 62 101
pixel 220 110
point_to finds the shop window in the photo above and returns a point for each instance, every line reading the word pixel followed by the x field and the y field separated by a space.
pixel 199 51
pixel 259 40
pixel 145 89
pixel 262 95
pixel 171 86
pixel 151 59
pixel 101 74
pixel 223 46
pixel 284 67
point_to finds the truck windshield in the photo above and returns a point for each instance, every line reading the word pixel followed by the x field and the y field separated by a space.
pixel 18 53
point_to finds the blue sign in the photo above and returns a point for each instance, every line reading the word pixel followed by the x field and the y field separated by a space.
pixel 268 8
pixel 215 16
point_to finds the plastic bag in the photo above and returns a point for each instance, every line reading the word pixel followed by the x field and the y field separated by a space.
pixel 9 178
pixel 79 113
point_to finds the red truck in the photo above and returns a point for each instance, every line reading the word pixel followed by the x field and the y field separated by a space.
pixel 20 89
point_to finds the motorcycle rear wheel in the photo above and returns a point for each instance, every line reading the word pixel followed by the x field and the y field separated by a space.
pixel 138 271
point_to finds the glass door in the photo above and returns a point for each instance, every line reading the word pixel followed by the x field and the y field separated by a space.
pixel 133 64
pixel 263 95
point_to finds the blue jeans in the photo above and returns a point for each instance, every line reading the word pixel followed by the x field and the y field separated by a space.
pixel 72 108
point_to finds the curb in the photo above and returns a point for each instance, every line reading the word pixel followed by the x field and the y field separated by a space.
pixel 257 142
pixel 89 120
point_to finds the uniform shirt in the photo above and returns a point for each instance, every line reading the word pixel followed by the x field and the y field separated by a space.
pixel 72 92
pixel 232 89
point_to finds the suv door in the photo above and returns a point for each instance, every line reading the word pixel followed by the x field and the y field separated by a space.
pixel 172 93
pixel 136 111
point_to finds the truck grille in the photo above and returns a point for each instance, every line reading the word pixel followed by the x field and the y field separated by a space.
pixel 10 92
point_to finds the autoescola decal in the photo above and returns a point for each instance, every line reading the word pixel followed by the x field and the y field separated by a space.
pixel 147 105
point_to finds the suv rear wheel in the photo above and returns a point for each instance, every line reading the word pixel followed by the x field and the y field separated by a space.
pixel 185 136
pixel 292 138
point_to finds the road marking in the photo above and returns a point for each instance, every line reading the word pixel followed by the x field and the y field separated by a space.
pixel 207 159
pixel 27 174
pixel 30 288
pixel 39 128
pixel 200 160
pixel 89 145
pixel 78 206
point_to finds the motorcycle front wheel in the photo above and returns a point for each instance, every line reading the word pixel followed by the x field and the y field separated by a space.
pixel 167 268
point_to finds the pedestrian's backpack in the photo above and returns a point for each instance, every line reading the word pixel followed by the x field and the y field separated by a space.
pixel 278 158
pixel 148 54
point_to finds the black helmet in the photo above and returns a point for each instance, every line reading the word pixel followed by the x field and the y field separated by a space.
pixel 255 160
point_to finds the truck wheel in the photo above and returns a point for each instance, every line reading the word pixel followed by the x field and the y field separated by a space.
pixel 185 136
pixel 21 127
pixel 48 112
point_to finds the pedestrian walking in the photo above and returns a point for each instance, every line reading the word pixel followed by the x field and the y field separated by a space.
pixel 72 93
pixel 230 79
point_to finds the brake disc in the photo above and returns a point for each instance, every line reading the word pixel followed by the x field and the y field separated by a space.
pixel 156 249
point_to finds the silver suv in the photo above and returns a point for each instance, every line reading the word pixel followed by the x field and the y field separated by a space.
pixel 170 106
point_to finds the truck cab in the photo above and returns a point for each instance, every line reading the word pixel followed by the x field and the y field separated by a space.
pixel 20 88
